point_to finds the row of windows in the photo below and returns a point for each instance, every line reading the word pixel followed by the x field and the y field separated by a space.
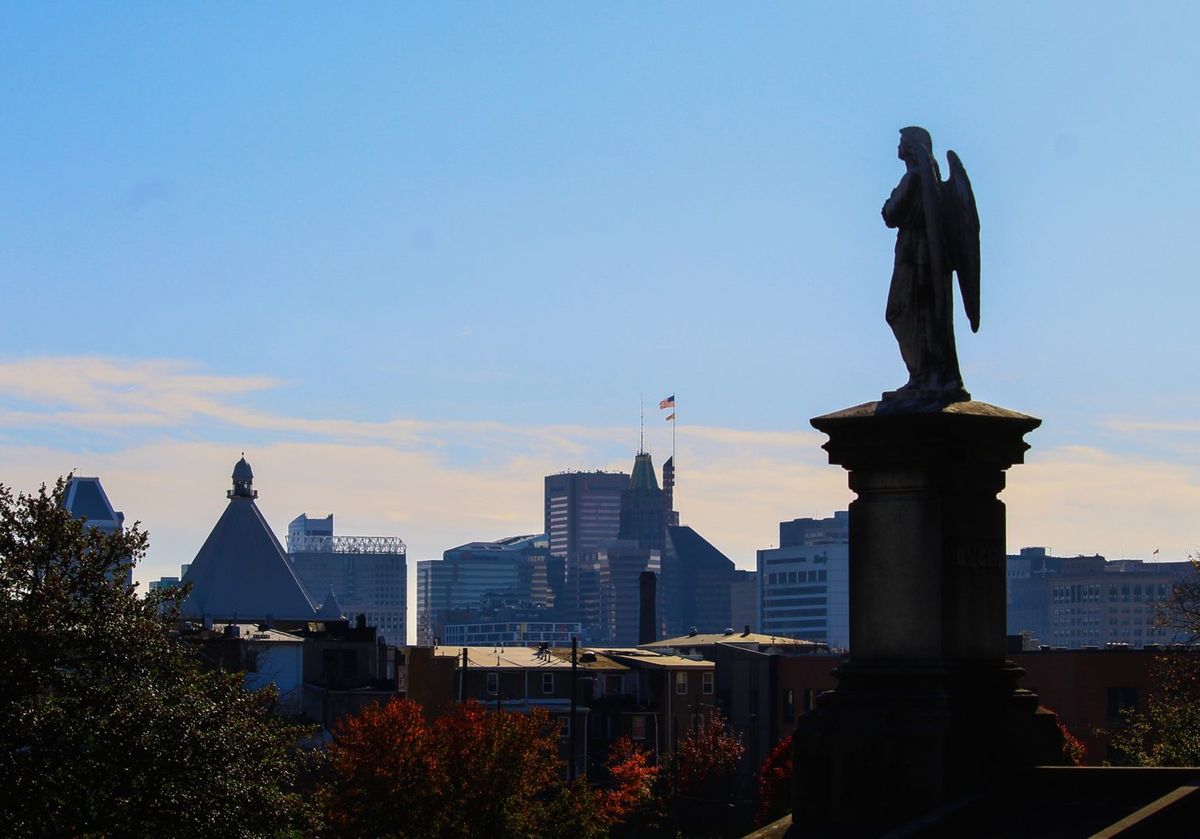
pixel 793 577
pixel 612 683
pixel 798 613
pixel 493 682
pixel 796 601
pixel 790 625
pixel 681 682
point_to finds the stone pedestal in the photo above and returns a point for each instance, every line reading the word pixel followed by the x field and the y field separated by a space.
pixel 927 709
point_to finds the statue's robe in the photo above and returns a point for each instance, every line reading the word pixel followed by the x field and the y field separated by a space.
pixel 920 300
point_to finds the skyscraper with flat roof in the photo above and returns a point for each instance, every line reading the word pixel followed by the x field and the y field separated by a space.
pixel 368 575
pixel 583 511
pixel 482 582
pixel 804 584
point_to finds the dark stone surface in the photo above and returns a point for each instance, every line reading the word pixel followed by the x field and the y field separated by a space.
pixel 927 708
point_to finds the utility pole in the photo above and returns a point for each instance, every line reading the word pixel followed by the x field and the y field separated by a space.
pixel 462 679
pixel 574 685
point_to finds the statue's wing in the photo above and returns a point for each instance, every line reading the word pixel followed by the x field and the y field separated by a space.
pixel 931 206
pixel 961 229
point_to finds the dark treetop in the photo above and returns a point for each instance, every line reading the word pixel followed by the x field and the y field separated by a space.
pixel 937 235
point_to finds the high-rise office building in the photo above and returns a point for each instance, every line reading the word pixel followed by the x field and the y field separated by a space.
pixel 1088 601
pixel 583 515
pixel 583 511
pixel 368 575
pixel 804 584
pixel 608 591
pixel 513 579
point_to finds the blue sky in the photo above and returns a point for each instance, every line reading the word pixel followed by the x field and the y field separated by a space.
pixel 411 257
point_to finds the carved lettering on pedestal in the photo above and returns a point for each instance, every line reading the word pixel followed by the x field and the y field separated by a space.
pixel 979 554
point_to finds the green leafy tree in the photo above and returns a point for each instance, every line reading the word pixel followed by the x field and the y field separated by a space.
pixel 1165 730
pixel 109 726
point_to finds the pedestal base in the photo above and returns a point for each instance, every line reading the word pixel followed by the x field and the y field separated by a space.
pixel 927 708
pixel 895 741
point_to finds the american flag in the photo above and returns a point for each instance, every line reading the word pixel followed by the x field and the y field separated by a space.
pixel 669 402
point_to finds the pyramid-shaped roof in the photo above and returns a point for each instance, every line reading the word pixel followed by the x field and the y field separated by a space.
pixel 241 571
pixel 695 552
pixel 330 610
pixel 643 473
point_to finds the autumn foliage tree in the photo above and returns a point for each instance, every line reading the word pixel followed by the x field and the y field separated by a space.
pixel 633 782
pixel 707 762
pixel 708 756
pixel 775 783
pixel 471 773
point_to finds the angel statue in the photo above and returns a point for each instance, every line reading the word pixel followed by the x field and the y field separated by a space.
pixel 938 234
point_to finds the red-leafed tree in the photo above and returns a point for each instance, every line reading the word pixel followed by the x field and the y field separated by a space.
pixel 708 756
pixel 775 783
pixel 705 778
pixel 633 782
pixel 498 769
pixel 385 772
pixel 469 773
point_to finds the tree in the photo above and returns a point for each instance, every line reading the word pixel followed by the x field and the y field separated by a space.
pixel 705 776
pixel 775 783
pixel 1166 730
pixel 708 756
pixel 469 773
pixel 108 725
pixel 633 780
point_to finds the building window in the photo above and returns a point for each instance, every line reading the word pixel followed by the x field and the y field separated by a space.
pixel 493 683
pixel 547 683
pixel 706 682
pixel 612 685
pixel 681 682
pixel 1120 699
pixel 564 726
pixel 637 727
pixel 789 705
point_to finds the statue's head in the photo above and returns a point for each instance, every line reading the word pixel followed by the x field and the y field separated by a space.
pixel 914 140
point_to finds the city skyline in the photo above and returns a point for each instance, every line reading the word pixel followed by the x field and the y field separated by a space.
pixel 398 257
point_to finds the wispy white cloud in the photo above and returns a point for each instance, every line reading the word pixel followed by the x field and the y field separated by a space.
pixel 438 484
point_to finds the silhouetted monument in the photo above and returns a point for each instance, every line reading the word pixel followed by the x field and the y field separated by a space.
pixel 927 709
pixel 938 234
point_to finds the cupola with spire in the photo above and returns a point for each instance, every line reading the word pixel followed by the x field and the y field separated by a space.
pixel 243 480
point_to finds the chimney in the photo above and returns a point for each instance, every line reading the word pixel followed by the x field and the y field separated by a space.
pixel 647 619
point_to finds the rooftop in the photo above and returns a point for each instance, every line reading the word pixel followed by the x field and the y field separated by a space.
pixel 739 639
pixel 526 658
